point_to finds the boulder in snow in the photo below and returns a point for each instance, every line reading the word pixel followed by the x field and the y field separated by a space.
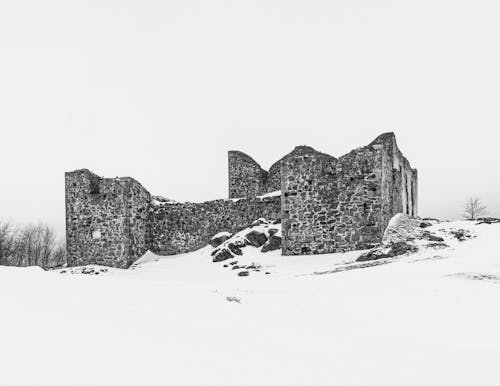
pixel 462 234
pixel 430 237
pixel 219 238
pixel 273 231
pixel 221 255
pixel 387 251
pixel 437 245
pixel 488 220
pixel 256 238
pixel 403 228
pixel 273 244
pixel 234 249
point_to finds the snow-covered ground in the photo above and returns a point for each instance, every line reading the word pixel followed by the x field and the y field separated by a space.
pixel 432 318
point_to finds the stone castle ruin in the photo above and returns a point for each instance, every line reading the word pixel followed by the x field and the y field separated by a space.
pixel 325 205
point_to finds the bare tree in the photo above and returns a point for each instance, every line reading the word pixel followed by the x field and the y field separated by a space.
pixel 6 241
pixel 32 244
pixel 58 258
pixel 474 208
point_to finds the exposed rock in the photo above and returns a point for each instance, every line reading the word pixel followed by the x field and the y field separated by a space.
pixel 430 237
pixel 462 234
pixel 243 273
pixel 437 245
pixel 234 249
pixel 221 255
pixel 86 270
pixel 391 250
pixel 240 242
pixel 273 244
pixel 219 238
pixel 256 238
pixel 402 228
pixel 430 219
pixel 488 220
pixel 272 231
pixel 254 266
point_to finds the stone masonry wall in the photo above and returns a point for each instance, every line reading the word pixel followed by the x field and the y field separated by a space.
pixel 308 202
pixel 399 180
pixel 327 205
pixel 114 221
pixel 184 227
pixel 246 177
pixel 339 205
pixel 106 219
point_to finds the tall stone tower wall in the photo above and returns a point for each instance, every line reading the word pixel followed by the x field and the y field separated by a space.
pixel 308 203
pixel 106 219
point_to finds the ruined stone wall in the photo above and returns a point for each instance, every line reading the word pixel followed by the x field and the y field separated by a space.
pixel 246 177
pixel 332 206
pixel 184 227
pixel 309 200
pixel 340 205
pixel 400 181
pixel 327 205
pixel 274 180
pixel 114 221
pixel 106 219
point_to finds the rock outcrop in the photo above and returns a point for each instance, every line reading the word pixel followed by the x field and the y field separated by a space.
pixel 262 234
pixel 404 235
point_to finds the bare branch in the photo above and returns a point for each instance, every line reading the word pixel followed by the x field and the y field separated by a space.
pixel 474 208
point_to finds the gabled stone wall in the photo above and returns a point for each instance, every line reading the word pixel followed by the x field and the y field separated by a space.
pixel 246 177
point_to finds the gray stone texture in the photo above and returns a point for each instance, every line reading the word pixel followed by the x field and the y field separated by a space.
pixel 248 179
pixel 179 228
pixel 331 205
pixel 106 219
pixel 327 205
pixel 114 221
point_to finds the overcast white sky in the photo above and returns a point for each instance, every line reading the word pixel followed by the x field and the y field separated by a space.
pixel 161 90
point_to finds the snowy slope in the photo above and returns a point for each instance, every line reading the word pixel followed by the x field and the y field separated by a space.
pixel 431 318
